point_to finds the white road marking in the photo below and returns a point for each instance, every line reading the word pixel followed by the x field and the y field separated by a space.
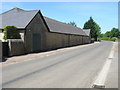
pixel 100 80
pixel 111 55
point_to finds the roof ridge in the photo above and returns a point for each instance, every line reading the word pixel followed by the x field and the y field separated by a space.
pixel 30 10
pixel 6 11
pixel 12 9
pixel 18 9
pixel 17 12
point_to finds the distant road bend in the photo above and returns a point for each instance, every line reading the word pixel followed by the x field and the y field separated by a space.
pixel 74 68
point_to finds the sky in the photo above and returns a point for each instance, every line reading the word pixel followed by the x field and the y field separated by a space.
pixel 105 14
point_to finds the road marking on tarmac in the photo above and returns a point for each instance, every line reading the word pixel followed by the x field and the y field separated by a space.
pixel 100 80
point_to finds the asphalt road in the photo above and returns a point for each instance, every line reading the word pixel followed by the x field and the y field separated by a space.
pixel 74 68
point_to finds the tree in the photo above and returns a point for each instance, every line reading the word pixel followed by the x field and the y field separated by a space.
pixel 111 35
pixel 72 23
pixel 94 27
pixel 107 34
pixel 115 33
pixel 101 35
pixel 98 29
pixel 10 32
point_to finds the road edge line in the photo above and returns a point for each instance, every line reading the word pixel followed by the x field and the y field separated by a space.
pixel 100 80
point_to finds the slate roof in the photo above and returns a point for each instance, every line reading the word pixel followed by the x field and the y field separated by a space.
pixel 17 17
pixel 56 26
pixel 87 31
pixel 21 18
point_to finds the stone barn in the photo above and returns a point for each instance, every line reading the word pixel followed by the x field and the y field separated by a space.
pixel 88 39
pixel 41 33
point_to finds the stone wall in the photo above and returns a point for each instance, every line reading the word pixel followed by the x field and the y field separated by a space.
pixel 75 40
pixel 58 40
pixel 16 47
pixel 36 26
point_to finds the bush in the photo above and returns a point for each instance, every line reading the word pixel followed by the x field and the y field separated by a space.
pixel 5 35
pixel 10 32
pixel 113 39
pixel 92 40
pixel 108 38
pixel 105 38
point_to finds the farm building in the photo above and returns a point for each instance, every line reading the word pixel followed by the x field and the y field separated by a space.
pixel 40 33
pixel 87 31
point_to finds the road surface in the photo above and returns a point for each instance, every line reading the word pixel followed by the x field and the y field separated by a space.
pixel 74 68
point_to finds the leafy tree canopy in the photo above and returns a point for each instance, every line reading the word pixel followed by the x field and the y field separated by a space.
pixel 115 33
pixel 10 32
pixel 111 35
pixel 107 34
pixel 94 27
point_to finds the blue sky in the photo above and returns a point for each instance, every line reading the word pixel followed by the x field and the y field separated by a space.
pixel 105 14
